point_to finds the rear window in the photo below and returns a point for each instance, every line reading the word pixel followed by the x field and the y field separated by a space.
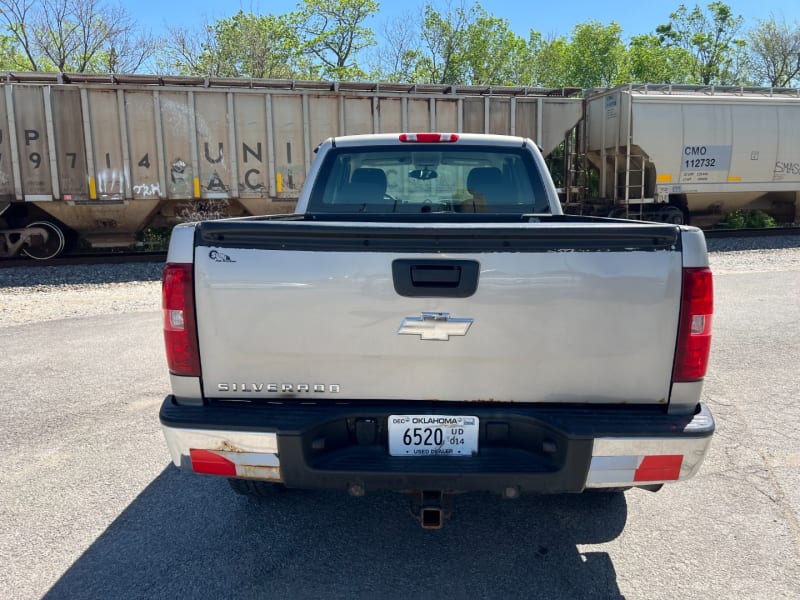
pixel 420 178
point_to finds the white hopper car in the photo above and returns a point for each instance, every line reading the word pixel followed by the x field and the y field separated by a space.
pixel 678 153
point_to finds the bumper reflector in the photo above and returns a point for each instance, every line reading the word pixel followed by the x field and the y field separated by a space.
pixel 210 463
pixel 249 465
pixel 659 468
pixel 629 469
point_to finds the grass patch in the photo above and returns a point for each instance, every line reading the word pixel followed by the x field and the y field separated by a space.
pixel 748 219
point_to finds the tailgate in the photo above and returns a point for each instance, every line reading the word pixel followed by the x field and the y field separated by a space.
pixel 558 313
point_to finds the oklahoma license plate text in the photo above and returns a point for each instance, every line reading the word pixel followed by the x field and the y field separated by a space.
pixel 433 435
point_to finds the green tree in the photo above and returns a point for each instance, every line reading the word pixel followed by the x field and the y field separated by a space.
pixel 18 15
pixel 333 34
pixel 711 38
pixel 549 60
pixel 595 56
pixel 243 45
pixel 76 35
pixel 261 46
pixel 651 61
pixel 397 57
pixel 459 46
pixel 11 59
pixel 444 37
pixel 190 52
pixel 495 55
pixel 775 52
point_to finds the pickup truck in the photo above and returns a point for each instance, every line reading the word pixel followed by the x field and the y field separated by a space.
pixel 430 322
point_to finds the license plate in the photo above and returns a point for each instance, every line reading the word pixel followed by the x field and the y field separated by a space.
pixel 433 435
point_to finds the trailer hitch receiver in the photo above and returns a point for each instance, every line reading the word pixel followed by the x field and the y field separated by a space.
pixel 431 507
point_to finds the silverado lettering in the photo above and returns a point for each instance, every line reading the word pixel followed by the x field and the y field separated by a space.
pixel 284 388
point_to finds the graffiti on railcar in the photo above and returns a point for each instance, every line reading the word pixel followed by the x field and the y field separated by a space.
pixel 179 177
pixel 111 183
pixel 147 190
pixel 202 210
pixel 102 224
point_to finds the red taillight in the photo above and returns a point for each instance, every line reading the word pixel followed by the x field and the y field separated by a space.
pixel 428 138
pixel 180 330
pixel 694 332
pixel 209 463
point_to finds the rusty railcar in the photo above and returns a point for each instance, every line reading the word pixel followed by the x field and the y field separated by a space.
pixel 105 157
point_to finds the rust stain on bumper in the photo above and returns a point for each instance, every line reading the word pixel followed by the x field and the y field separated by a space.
pixel 259 472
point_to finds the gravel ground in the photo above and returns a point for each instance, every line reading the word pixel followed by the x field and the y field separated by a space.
pixel 29 295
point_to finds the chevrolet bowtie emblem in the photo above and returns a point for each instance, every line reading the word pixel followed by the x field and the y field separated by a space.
pixel 434 326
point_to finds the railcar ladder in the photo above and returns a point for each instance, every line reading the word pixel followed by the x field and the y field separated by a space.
pixel 576 170
pixel 632 191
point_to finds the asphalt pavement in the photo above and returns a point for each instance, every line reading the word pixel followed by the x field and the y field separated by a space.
pixel 91 507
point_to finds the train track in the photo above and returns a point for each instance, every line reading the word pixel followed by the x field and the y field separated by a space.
pixel 137 257
pixel 751 233
pixel 86 259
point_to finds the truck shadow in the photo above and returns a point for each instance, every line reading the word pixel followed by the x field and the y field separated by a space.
pixel 192 537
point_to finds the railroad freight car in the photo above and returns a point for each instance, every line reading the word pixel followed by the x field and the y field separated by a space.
pixel 678 153
pixel 103 157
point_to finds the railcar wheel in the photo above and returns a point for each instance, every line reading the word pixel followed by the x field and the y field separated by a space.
pixel 673 215
pixel 43 249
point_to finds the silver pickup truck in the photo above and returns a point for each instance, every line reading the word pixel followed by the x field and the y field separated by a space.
pixel 430 322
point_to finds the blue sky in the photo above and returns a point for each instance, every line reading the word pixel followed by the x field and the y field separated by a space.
pixel 547 17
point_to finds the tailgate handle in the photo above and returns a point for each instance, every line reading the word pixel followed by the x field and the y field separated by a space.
pixel 435 278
